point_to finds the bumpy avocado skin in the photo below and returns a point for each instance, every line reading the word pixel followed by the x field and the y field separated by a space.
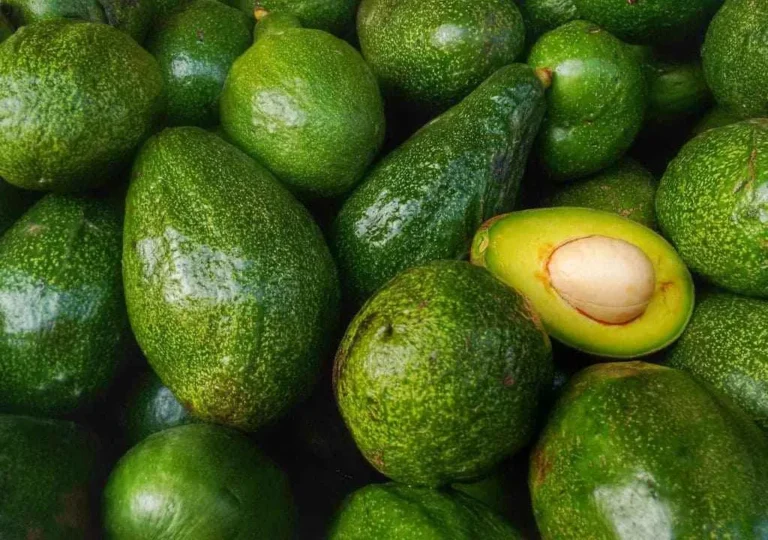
pixel 717 117
pixel 726 345
pixel 735 56
pixel 597 101
pixel 429 54
pixel 395 511
pixel 544 15
pixel 712 204
pixel 334 16
pixel 425 200
pixel 439 375
pixel 85 95
pixel 636 450
pixel 231 291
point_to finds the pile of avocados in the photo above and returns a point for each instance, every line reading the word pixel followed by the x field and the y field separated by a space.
pixel 383 269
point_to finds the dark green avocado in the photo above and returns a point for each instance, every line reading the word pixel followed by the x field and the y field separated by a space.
pixel 134 17
pixel 544 15
pixel 13 203
pixel 6 28
pixel 334 16
pixel 677 90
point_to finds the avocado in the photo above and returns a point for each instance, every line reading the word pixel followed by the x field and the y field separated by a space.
pixel 195 47
pixel 334 16
pixel 429 54
pixel 541 16
pixel 305 104
pixel 597 101
pixel 61 305
pixel 50 472
pixel 134 17
pixel 602 284
pixel 735 56
pixel 716 117
pixel 641 451
pixel 6 28
pixel 398 512
pixel 677 90
pixel 84 96
pixel 24 12
pixel 425 200
pixel 273 22
pixel 200 482
pixel 439 375
pixel 233 317
pixel 726 345
pixel 13 203
pixel 712 204
pixel 492 490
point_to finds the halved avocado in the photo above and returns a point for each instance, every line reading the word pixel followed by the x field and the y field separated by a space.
pixel 601 283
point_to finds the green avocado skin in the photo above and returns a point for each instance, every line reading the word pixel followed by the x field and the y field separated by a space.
pixel 637 450
pixel 197 482
pixel 541 16
pixel 195 48
pixel 596 104
pixel 134 17
pixel 429 54
pixel 398 512
pixel 425 200
pixel 735 56
pixel 712 204
pixel 726 345
pixel 676 91
pixel 334 16
pixel 439 375
pixel 24 12
pixel 51 470
pixel 62 313
pixel 716 117
pixel 84 96
pixel 231 290
pixel 275 22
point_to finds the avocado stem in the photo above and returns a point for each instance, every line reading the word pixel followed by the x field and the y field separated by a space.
pixel 259 13
pixel 545 76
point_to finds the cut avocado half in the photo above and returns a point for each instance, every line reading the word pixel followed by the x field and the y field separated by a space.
pixel 601 283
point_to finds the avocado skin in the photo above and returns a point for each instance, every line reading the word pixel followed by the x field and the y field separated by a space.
pixel 395 511
pixel 51 470
pixel 711 204
pixel 425 200
pixel 195 48
pixel 676 91
pixel 134 17
pixel 541 16
pixel 439 375
pixel 61 308
pixel 716 117
pixel 234 317
pixel 726 345
pixel 636 450
pixel 275 22
pixel 24 12
pixel 596 104
pixel 334 16
pixel 429 54
pixel 72 128
pixel 209 483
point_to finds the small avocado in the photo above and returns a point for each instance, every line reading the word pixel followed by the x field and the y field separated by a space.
pixel 85 95
pixel 716 117
pixel 677 90
pixel 200 482
pixel 305 104
pixel 398 512
pixel 6 28
pixel 429 54
pixel 195 48
pixel 597 101
pixel 603 284
pixel 735 56
pixel 439 376
pixel 712 203
pixel 334 16
pixel 541 16
pixel 641 451
pixel 726 345
pixel 425 200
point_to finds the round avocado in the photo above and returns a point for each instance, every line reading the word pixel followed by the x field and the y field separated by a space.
pixel 712 203
pixel 544 15
pixel 200 482
pixel 334 16
pixel 602 284
pixel 83 96
pixel 596 103
pixel 716 117
pixel 440 374
pixel 726 345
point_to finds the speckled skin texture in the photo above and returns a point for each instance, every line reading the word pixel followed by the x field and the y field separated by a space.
pixel 439 375
pixel 65 129
pixel 398 512
pixel 425 200
pixel 712 203
pixel 197 482
pixel 735 56
pixel 335 16
pixel 726 345
pixel 544 15
pixel 305 104
pixel 429 54
pixel 24 12
pixel 62 313
pixel 50 473
pixel 231 290
pixel 195 48
pixel 640 451
pixel 627 189
pixel 716 117
pixel 597 101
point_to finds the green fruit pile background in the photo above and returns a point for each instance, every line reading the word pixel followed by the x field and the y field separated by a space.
pixel 383 269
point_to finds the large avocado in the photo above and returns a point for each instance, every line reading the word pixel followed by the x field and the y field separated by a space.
pixel 230 287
